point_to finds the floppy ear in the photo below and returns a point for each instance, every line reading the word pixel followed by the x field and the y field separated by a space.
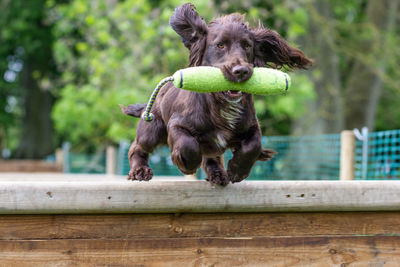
pixel 270 47
pixel 188 24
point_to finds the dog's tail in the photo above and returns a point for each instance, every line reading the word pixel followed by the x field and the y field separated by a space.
pixel 135 110
pixel 267 154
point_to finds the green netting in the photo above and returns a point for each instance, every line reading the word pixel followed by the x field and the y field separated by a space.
pixel 382 159
pixel 299 158
pixel 160 161
pixel 87 163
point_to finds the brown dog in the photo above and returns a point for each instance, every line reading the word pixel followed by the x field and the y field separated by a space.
pixel 199 127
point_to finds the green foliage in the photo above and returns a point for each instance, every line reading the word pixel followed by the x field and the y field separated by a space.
pixel 292 105
pixel 275 113
pixel 91 111
pixel 110 54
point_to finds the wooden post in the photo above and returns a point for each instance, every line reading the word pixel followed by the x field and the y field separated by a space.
pixel 347 147
pixel 111 160
pixel 59 157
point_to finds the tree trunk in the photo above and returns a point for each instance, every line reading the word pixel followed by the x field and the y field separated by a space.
pixel 364 86
pixel 37 129
pixel 325 112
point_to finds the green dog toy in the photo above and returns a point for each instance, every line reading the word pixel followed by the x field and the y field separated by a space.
pixel 264 81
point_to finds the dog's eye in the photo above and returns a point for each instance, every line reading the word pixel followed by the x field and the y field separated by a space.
pixel 247 46
pixel 220 45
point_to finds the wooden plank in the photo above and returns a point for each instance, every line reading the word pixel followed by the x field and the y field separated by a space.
pixel 290 252
pixel 29 166
pixel 116 196
pixel 14 227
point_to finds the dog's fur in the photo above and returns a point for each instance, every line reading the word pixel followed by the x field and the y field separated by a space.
pixel 199 127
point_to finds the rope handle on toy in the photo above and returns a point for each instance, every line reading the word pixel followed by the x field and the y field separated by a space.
pixel 202 79
pixel 147 115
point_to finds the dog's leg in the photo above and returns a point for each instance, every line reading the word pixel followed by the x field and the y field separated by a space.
pixel 148 136
pixel 215 170
pixel 185 150
pixel 244 157
pixel 138 161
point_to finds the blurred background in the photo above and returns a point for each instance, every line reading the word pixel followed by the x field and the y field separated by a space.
pixel 66 65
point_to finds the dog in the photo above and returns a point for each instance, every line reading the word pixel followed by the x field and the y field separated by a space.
pixel 200 127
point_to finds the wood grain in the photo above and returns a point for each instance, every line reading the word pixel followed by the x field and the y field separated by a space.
pixel 122 196
pixel 125 226
pixel 286 251
pixel 156 224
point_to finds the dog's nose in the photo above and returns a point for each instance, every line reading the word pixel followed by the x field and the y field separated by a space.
pixel 241 72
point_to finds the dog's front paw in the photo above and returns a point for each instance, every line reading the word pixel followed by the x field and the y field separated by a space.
pixel 237 174
pixel 141 173
pixel 186 166
pixel 235 177
pixel 218 177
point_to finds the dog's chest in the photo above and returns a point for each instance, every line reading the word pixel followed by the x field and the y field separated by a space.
pixel 230 116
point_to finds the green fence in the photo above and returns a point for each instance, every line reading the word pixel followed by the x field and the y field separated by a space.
pixel 298 158
pixel 302 158
pixel 160 161
pixel 377 155
pixel 82 162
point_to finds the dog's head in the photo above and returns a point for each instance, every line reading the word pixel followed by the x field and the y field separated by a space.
pixel 230 44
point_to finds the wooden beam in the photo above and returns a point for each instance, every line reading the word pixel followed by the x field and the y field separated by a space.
pixel 276 251
pixel 233 225
pixel 120 196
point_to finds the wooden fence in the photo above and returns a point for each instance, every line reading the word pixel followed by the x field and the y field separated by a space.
pixel 114 222
pixel 29 166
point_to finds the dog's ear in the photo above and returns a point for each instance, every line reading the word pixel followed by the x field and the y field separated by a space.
pixel 188 24
pixel 272 50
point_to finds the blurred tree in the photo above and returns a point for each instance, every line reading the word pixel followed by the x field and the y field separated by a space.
pixel 26 68
pixel 326 110
pixel 352 44
pixel 373 55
